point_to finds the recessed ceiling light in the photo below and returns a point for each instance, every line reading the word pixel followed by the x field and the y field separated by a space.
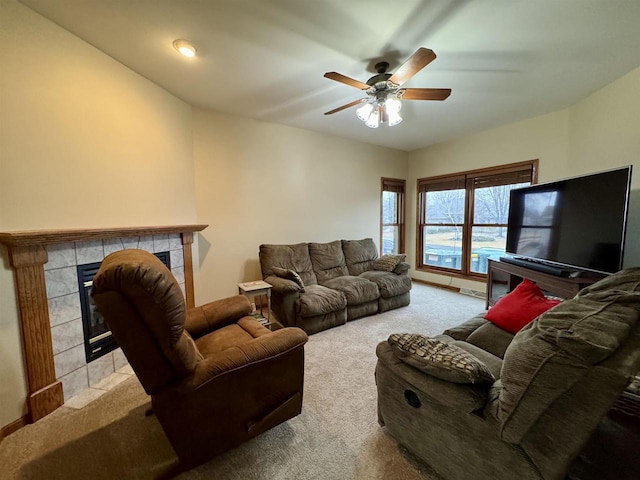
pixel 185 48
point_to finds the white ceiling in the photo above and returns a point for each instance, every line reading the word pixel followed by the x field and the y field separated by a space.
pixel 505 60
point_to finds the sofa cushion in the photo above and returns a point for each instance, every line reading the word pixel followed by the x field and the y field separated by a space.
pixel 357 290
pixel 493 363
pixel 359 255
pixel 294 257
pixel 491 338
pixel 319 300
pixel 388 263
pixel 555 351
pixel 519 307
pixel 389 284
pixel 327 260
pixel 441 360
pixel 289 275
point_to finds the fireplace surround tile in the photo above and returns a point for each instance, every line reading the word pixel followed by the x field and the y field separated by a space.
pixel 74 382
pixel 61 281
pixel 67 335
pixel 119 360
pixel 100 368
pixel 112 245
pixel 89 251
pixel 146 243
pixel 176 258
pixel 69 360
pixel 60 255
pixel 64 308
pixel 130 242
pixel 175 241
pixel 64 301
pixel 179 274
pixel 160 243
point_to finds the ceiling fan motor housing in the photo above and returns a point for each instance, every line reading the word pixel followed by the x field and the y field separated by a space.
pixel 379 80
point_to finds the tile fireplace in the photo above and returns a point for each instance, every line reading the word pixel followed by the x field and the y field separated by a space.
pixel 47 291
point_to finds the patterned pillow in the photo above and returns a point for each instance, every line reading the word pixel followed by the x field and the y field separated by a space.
pixel 289 275
pixel 387 263
pixel 447 362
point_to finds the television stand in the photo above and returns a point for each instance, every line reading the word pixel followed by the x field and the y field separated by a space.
pixel 502 277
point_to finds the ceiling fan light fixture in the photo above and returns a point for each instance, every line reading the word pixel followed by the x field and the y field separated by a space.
pixel 185 48
pixel 393 106
pixel 374 119
pixel 394 119
pixel 380 110
pixel 364 111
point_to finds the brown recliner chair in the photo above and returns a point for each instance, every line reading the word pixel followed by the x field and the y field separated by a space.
pixel 216 377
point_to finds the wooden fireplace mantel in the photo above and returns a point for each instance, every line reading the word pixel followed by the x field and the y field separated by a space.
pixel 47 237
pixel 27 256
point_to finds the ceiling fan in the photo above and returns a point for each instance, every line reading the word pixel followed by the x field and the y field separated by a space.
pixel 384 92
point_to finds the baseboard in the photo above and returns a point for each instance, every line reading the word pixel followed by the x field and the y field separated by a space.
pixel 12 427
pixel 437 285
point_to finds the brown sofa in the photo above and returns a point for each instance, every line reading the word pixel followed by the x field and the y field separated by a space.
pixel 215 375
pixel 555 380
pixel 337 282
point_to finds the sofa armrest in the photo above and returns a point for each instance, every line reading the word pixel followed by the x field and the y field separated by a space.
pixel 282 285
pixel 463 397
pixel 462 331
pixel 211 316
pixel 402 268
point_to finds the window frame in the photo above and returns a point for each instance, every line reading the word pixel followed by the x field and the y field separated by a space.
pixel 398 186
pixel 469 181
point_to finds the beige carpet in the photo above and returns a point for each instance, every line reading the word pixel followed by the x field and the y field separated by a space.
pixel 337 436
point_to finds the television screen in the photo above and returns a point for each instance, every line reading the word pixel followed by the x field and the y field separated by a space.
pixel 579 222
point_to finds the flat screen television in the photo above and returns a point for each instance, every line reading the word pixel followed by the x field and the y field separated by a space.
pixel 577 224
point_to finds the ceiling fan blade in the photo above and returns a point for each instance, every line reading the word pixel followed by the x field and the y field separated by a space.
pixel 338 77
pixel 348 105
pixel 413 65
pixel 425 93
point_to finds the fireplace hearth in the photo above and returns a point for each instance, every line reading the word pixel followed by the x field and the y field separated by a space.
pixel 98 340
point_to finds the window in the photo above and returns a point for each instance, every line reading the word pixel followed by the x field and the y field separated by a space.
pixel 392 216
pixel 462 218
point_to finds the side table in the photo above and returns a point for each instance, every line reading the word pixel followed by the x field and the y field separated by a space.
pixel 257 288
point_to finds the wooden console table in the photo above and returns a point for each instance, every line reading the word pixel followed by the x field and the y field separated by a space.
pixel 503 277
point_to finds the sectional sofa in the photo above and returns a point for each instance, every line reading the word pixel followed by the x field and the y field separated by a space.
pixel 548 386
pixel 317 286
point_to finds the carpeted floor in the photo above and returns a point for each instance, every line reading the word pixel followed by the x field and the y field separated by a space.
pixel 336 437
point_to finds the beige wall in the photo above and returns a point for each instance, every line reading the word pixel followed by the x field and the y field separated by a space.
pixel 68 114
pixel 260 183
pixel 598 133
pixel 604 133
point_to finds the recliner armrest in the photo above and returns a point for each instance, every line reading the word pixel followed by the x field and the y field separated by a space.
pixel 213 315
pixel 257 350
pixel 464 397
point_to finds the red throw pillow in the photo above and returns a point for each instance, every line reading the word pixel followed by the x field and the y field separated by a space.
pixel 520 306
